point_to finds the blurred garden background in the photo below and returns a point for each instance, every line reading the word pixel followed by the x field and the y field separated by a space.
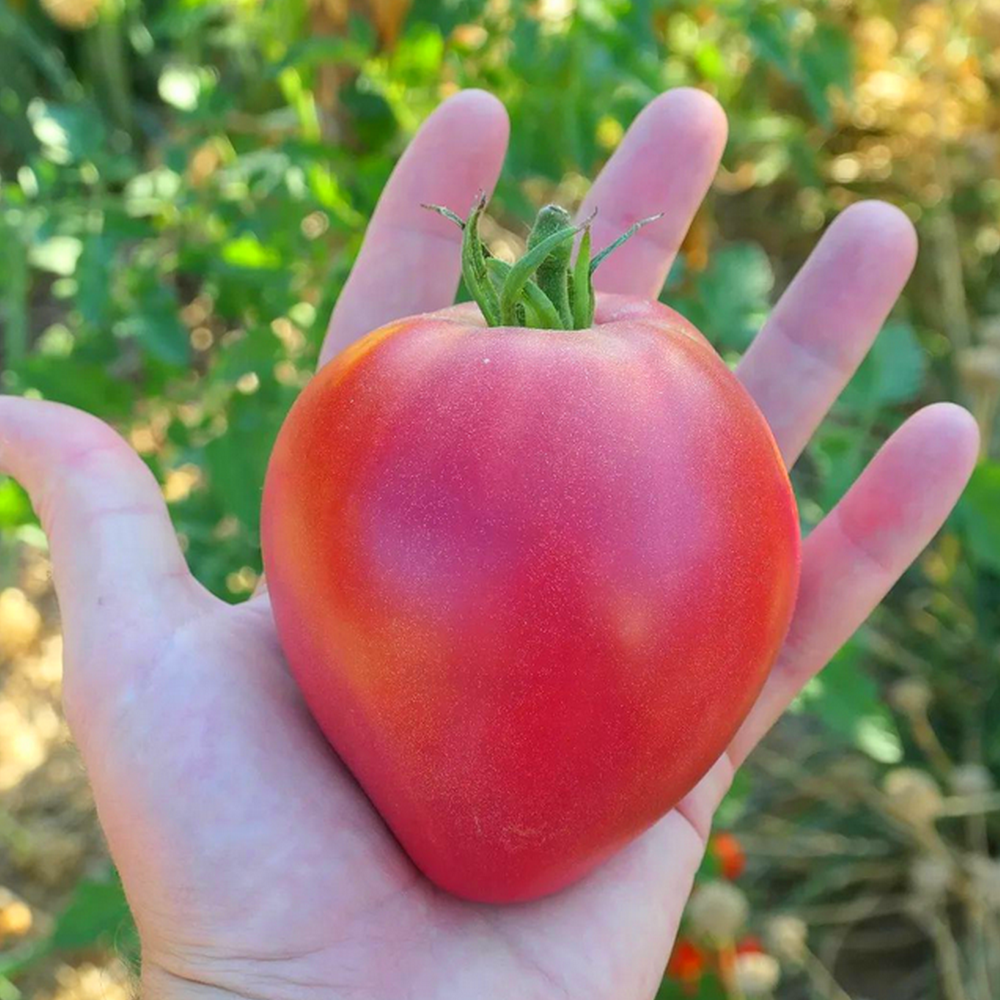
pixel 183 186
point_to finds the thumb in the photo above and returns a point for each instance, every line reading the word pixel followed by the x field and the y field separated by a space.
pixel 120 576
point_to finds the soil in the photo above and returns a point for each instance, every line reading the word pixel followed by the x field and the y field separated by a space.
pixel 49 835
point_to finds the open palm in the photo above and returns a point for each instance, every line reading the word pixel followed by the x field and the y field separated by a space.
pixel 254 865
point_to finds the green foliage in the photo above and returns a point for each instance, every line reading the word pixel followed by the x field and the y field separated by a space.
pixel 848 701
pixel 708 988
pixel 817 61
pixel 979 515
pixel 893 372
pixel 97 913
pixel 730 299
pixel 15 507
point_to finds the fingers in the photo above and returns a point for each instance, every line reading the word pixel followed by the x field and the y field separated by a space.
pixel 409 262
pixel 666 163
pixel 863 546
pixel 114 551
pixel 827 320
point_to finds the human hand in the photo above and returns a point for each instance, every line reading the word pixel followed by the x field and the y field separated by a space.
pixel 254 865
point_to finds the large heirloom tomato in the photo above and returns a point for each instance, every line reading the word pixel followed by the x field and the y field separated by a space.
pixel 529 580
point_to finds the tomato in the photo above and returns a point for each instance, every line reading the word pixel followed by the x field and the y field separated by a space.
pixel 687 962
pixel 530 581
pixel 728 853
pixel 750 945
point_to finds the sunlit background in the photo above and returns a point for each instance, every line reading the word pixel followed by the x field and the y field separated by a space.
pixel 184 186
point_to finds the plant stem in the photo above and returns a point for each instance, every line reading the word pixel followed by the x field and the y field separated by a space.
pixel 553 272
pixel 727 952
pixel 15 295
pixel 109 56
pixel 822 979
pixel 926 738
pixel 474 271
pixel 581 292
pixel 522 270
pixel 949 957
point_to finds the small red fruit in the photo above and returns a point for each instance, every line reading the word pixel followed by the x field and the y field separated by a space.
pixel 728 852
pixel 749 945
pixel 687 962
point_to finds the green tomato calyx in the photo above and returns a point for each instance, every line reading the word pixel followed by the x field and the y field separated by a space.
pixel 545 288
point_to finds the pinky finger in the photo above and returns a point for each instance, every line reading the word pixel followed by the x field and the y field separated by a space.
pixel 862 548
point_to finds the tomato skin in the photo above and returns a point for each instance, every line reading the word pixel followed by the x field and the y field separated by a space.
pixel 530 582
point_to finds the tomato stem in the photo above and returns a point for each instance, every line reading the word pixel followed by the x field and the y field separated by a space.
pixel 545 288
pixel 552 275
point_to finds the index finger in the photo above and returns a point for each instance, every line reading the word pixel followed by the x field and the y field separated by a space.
pixel 409 261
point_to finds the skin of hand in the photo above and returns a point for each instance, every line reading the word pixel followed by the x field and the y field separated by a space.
pixel 254 866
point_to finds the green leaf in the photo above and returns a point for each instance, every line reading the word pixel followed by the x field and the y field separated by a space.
pixel 839 453
pixel 734 805
pixel 731 298
pixel 603 254
pixel 826 63
pixel 161 333
pixel 181 86
pixel 15 292
pixel 85 385
pixel 846 700
pixel 770 39
pixel 16 962
pixel 47 59
pixel 15 507
pixel 711 62
pixel 707 988
pixel 447 14
pixel 978 514
pixel 541 313
pixel 823 62
pixel 309 53
pixel 418 55
pixel 474 272
pixel 69 133
pixel 522 270
pixel 247 251
pixel 893 372
pixel 96 914
pixel 237 461
pixel 94 280
pixel 57 255
pixel 581 287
